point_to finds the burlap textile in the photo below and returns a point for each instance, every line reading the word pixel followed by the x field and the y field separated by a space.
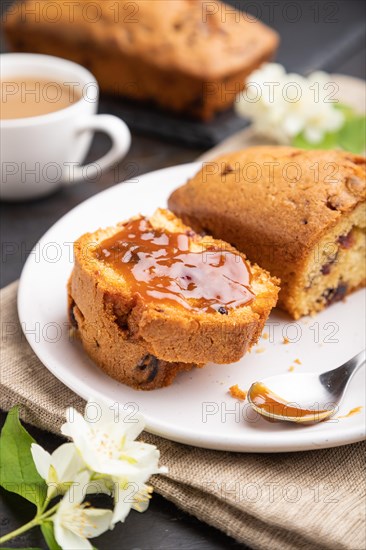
pixel 289 501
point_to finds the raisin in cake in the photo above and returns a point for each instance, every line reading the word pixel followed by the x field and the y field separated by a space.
pixel 150 297
pixel 299 214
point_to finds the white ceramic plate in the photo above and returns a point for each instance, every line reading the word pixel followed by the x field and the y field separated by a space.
pixel 197 408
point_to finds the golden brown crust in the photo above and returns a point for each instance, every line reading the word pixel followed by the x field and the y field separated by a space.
pixel 282 207
pixel 194 58
pixel 107 342
pixel 118 329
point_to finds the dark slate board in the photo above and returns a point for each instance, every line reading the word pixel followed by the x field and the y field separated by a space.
pixel 150 120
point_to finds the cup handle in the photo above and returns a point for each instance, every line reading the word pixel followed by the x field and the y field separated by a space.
pixel 121 140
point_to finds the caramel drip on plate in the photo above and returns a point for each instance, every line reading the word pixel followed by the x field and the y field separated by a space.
pixel 352 412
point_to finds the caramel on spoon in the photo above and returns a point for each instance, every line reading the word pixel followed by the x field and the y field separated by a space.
pixel 307 398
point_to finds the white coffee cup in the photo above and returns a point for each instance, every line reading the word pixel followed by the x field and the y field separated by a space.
pixel 39 154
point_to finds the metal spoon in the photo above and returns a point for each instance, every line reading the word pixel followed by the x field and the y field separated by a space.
pixel 305 398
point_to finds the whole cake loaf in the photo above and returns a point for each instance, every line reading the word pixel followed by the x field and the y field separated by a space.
pixel 299 214
pixel 150 297
pixel 188 56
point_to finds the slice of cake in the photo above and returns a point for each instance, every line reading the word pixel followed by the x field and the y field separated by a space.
pixel 150 297
pixel 299 214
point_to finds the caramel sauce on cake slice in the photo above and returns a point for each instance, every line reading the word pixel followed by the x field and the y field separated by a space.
pixel 160 266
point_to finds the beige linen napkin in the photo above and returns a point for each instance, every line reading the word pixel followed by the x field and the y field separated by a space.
pixel 290 501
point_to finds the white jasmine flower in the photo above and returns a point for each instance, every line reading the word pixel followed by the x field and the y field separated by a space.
pixel 109 449
pixel 130 495
pixel 59 468
pixel 75 523
pixel 282 106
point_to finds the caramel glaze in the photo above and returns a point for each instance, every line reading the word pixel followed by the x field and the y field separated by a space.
pixel 160 266
pixel 269 402
pixel 352 412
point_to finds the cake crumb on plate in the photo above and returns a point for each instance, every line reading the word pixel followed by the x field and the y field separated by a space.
pixel 237 393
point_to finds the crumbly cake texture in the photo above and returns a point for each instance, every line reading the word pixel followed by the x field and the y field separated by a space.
pixel 299 214
pixel 144 344
pixel 238 393
pixel 188 56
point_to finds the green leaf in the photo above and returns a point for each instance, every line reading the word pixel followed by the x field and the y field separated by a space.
pixel 18 473
pixel 347 111
pixel 329 141
pixel 352 136
pixel 49 535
